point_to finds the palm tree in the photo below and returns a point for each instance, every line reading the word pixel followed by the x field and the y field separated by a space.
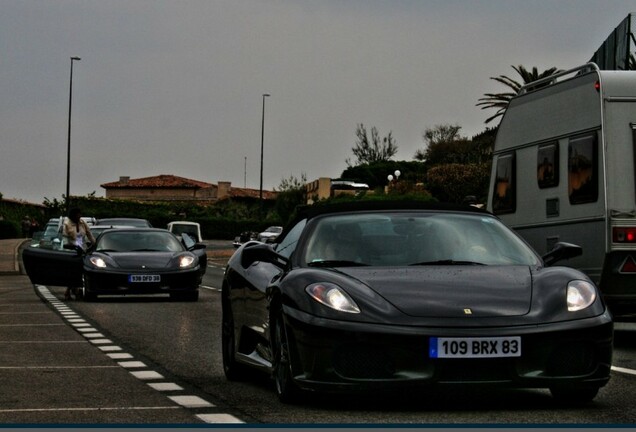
pixel 500 101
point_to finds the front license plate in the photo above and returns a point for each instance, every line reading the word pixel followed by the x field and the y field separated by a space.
pixel 144 278
pixel 481 347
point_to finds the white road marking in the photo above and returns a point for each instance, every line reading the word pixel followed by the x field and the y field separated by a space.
pixel 110 348
pixel 191 401
pixel 132 364
pixel 219 418
pixel 119 356
pixel 147 375
pixel 88 409
pixel 624 370
pixel 165 386
pixel 101 341
pixel 186 401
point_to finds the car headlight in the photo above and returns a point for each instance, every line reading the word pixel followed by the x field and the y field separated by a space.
pixel 186 261
pixel 580 294
pixel 332 296
pixel 98 262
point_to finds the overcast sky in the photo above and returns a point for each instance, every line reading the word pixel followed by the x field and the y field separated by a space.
pixel 175 87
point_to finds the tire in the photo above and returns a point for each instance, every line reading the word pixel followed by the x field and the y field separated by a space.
pixel 573 395
pixel 286 389
pixel 233 370
pixel 86 294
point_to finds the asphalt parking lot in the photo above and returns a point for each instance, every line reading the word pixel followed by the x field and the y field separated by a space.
pixel 55 368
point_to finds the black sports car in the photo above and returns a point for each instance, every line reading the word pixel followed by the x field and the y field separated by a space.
pixel 124 261
pixel 381 296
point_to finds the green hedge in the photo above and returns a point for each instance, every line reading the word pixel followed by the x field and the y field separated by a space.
pixel 9 230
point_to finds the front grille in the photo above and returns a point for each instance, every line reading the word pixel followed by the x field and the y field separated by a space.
pixel 474 370
pixel 363 362
pixel 571 358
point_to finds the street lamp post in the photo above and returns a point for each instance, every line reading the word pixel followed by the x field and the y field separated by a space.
pixel 68 149
pixel 260 194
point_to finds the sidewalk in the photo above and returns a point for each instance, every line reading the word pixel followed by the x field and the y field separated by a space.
pixel 9 260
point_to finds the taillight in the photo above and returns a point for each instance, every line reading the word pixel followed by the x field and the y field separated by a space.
pixel 597 86
pixel 624 235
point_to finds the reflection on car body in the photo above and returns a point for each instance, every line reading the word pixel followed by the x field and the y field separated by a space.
pixel 379 296
pixel 124 261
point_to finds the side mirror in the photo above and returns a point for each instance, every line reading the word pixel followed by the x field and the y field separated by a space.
pixel 560 252
pixel 262 252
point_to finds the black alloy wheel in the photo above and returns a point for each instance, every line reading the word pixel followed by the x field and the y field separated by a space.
pixel 286 389
pixel 87 295
pixel 233 370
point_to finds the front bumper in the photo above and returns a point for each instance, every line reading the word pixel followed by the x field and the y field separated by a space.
pixel 343 358
pixel 117 282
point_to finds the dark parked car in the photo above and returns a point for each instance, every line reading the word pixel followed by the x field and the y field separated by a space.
pixel 384 296
pixel 270 234
pixel 124 261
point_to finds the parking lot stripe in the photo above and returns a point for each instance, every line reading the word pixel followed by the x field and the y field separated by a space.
pixel 191 401
pixel 624 370
pixel 89 409
pixel 219 418
pixel 147 375
pixel 186 401
pixel 165 386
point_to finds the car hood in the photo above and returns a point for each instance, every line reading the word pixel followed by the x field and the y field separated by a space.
pixel 142 260
pixel 448 291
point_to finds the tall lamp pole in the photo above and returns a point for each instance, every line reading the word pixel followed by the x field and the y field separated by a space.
pixel 260 194
pixel 68 149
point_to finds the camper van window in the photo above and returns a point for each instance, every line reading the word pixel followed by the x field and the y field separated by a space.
pixel 504 196
pixel 548 166
pixel 582 169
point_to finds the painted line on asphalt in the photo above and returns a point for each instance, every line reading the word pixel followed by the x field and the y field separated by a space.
pixel 96 338
pixel 624 370
pixel 89 409
pixel 210 288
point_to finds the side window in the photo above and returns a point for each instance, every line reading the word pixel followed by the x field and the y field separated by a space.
pixel 548 166
pixel 504 195
pixel 582 169
pixel 288 244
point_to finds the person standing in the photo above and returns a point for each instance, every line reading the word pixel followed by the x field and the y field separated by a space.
pixel 26 226
pixel 77 233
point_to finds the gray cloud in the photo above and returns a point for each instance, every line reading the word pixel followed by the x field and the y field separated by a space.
pixel 174 87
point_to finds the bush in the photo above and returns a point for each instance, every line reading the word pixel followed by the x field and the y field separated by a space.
pixel 8 230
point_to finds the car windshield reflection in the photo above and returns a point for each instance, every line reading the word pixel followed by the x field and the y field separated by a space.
pixel 134 241
pixel 412 239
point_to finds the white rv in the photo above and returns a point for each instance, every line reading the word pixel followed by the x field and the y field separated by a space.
pixel 564 170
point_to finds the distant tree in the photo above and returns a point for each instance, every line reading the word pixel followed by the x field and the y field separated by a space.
pixel 444 145
pixel 292 183
pixel 453 182
pixel 500 101
pixel 291 194
pixel 372 149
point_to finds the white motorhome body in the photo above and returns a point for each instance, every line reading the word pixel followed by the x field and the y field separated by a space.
pixel 564 170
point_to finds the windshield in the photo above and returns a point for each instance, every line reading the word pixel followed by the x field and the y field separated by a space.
pixel 130 241
pixel 414 238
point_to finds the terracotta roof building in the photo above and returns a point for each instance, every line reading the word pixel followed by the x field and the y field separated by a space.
pixel 173 188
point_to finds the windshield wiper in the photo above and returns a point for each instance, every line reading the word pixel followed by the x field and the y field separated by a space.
pixel 446 262
pixel 336 263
